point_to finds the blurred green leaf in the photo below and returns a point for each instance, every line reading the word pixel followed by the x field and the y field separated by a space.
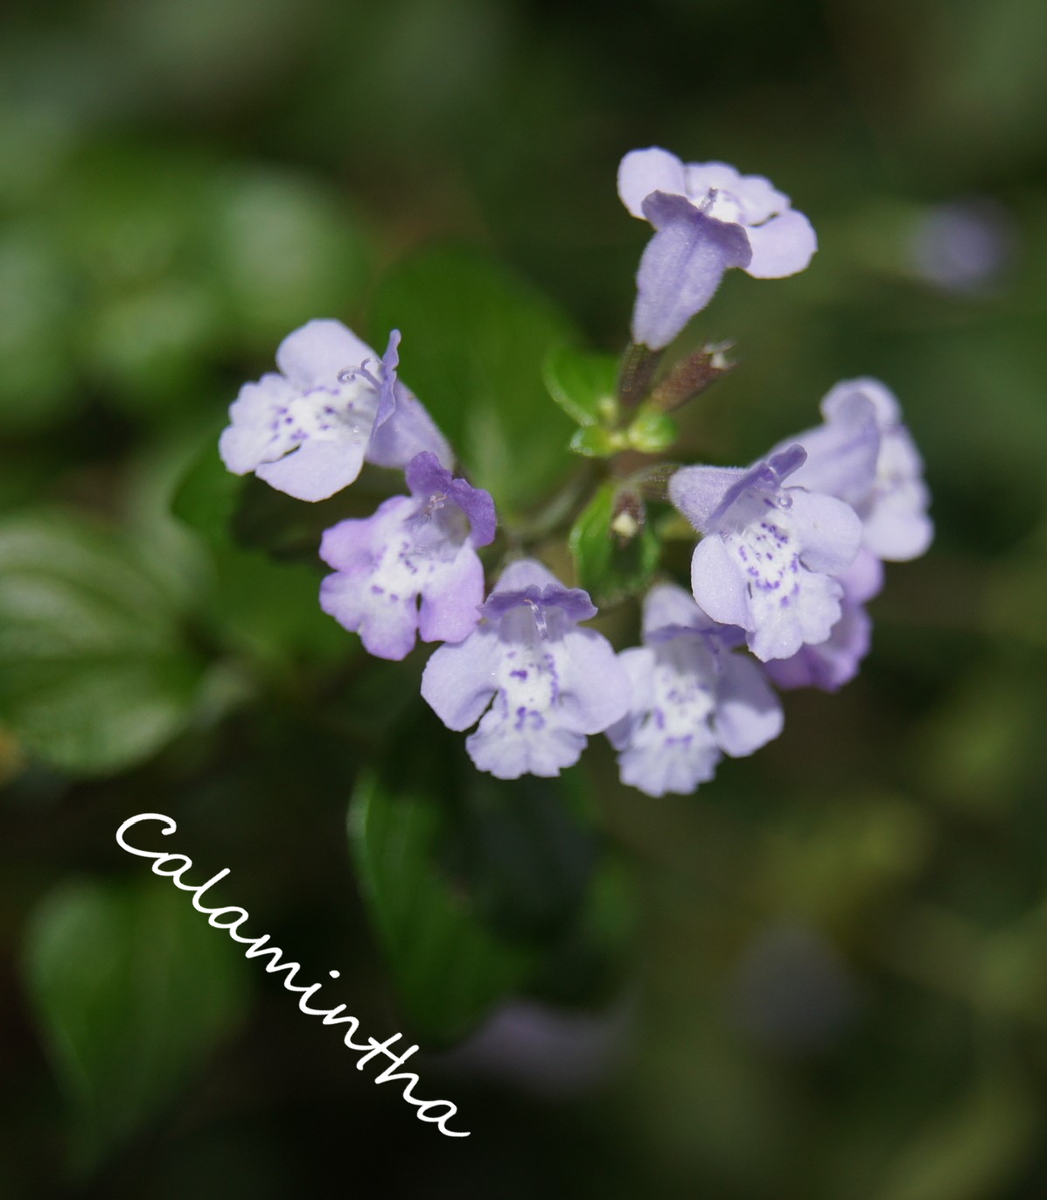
pixel 131 991
pixel 846 859
pixel 984 746
pixel 148 346
pixel 36 304
pixel 208 496
pixel 449 967
pixel 235 510
pixel 526 849
pixel 285 250
pixel 609 566
pixel 594 441
pixel 263 598
pixel 271 611
pixel 651 432
pixel 94 673
pixel 286 529
pixel 130 222
pixel 474 340
pixel 584 385
pixel 972 1151
pixel 128 215
pixel 587 963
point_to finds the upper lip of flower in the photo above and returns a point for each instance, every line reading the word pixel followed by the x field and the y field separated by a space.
pixel 766 475
pixel 574 602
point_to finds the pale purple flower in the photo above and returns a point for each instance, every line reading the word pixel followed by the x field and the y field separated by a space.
pixel 834 662
pixel 417 547
pixel 781 238
pixel 681 266
pixel 707 218
pixel 545 1050
pixel 308 430
pixel 693 700
pixel 863 454
pixel 963 246
pixel 769 552
pixel 541 684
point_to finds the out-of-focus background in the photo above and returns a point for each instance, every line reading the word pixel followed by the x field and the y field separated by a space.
pixel 824 975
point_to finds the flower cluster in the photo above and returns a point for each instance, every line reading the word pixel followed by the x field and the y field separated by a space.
pixel 791 547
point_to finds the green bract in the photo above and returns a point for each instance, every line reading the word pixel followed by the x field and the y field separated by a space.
pixel 612 563
pixel 584 385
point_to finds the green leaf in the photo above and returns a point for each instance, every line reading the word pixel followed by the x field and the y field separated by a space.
pixel 584 385
pixel 36 308
pixel 283 249
pixel 209 495
pixel 267 609
pixel 526 848
pixel 131 991
pixel 611 567
pixel 94 673
pixel 271 612
pixel 596 442
pixel 450 968
pixel 588 962
pixel 474 340
pixel 244 511
pixel 651 432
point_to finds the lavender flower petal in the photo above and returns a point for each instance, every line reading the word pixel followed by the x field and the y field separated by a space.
pixel 460 681
pixel 747 199
pixel 768 553
pixel 413 548
pixel 720 584
pixel 748 714
pixel 834 662
pixel 863 454
pixel 365 552
pixel 681 267
pixel 782 246
pixel 316 470
pixel 781 239
pixel 842 452
pixel 642 172
pixel 308 431
pixel 550 685
pixel 244 441
pixel 449 609
pixel 657 756
pixel 313 355
pixel 692 700
pixel 829 530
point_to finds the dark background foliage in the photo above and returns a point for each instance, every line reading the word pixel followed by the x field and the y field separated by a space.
pixel 825 975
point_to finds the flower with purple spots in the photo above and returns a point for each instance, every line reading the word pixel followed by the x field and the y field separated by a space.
pixel 540 684
pixel 863 454
pixel 769 553
pixel 417 547
pixel 834 662
pixel 707 218
pixel 693 700
pixel 308 430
